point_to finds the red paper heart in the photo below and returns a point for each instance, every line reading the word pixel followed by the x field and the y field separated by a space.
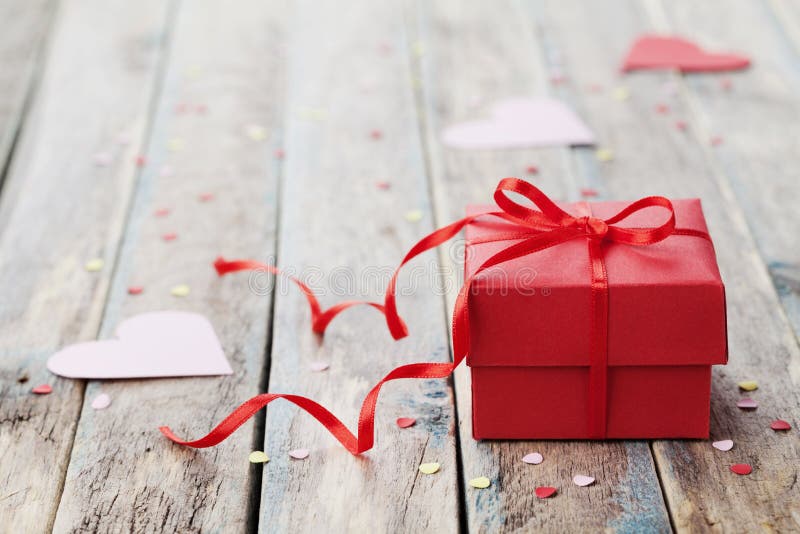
pixel 780 424
pixel 543 492
pixel 741 469
pixel 405 422
pixel 42 389
pixel 658 52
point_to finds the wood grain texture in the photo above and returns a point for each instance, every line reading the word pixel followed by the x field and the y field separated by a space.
pixel 58 211
pixel 23 27
pixel 477 53
pixel 702 493
pixel 123 474
pixel 350 76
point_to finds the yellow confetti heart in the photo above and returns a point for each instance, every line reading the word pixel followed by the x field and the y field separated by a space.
pixel 621 93
pixel 414 216
pixel 258 457
pixel 748 385
pixel 94 265
pixel 181 290
pixel 256 132
pixel 175 144
pixel 311 113
pixel 480 482
pixel 430 468
pixel 419 49
pixel 603 154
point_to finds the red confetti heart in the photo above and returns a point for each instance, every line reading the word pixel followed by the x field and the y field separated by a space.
pixel 588 192
pixel 162 212
pixel 405 422
pixel 681 125
pixel 532 169
pixel 42 389
pixel 383 186
pixel 169 237
pixel 135 290
pixel 544 492
pixel 716 141
pixel 141 161
pixel 280 154
pixel 662 108
pixel 376 134
pixel 741 469
pixel 205 197
pixel 780 424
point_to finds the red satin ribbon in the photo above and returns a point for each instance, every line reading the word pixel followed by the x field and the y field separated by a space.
pixel 535 230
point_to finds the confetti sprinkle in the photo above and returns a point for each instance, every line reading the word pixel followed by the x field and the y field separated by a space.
pixel 557 78
pixel 723 445
pixel 94 265
pixel 583 480
pixel 169 237
pixel 383 186
pixel 165 171
pixel 299 454
pixel 102 159
pixel 533 458
pixel 414 216
pixel 621 93
pixel 135 290
pixel 545 492
pixel 181 108
pixel 595 88
pixel 748 385
pixel 376 134
pixel 532 169
pixel 181 290
pixel 418 48
pixel 405 422
pixel 201 109
pixel 141 161
pixel 123 139
pixel 311 113
pixel 205 197
pixel 480 482
pixel 176 144
pixel 42 389
pixel 279 153
pixel 780 424
pixel 747 404
pixel 162 212
pixel 726 84
pixel 681 125
pixel 662 109
pixel 429 468
pixel 258 457
pixel 588 192
pixel 742 469
pixel 603 154
pixel 256 132
pixel 101 402
pixel 319 366
pixel 716 141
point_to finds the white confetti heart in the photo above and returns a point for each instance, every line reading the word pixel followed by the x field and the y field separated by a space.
pixel 533 458
pixel 101 402
pixel 723 445
pixel 582 480
pixel 299 454
pixel 319 366
pixel 747 404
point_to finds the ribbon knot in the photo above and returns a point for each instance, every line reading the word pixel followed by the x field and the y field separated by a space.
pixel 591 226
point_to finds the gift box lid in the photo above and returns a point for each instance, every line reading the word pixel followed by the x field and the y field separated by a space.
pixel 666 301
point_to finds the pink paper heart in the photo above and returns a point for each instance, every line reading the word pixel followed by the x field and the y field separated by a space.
pixel 521 122
pixel 533 458
pixel 165 343
pixel 723 445
pixel 582 480
pixel 747 404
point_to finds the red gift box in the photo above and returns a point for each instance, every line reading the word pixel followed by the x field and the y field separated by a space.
pixel 530 320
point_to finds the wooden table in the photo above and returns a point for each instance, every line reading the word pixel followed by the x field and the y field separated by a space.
pixel 111 110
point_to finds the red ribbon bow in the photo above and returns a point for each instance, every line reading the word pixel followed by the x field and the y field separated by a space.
pixel 534 230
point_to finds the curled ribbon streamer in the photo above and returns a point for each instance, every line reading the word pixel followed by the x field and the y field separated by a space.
pixel 536 230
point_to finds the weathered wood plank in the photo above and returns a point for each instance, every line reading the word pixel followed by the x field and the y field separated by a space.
pixel 23 27
pixel 57 211
pixel 476 53
pixel 660 159
pixel 349 76
pixel 123 475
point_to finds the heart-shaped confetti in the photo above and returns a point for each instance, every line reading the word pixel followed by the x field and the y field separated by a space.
pixel 258 457
pixel 748 385
pixel 102 159
pixel 162 212
pixel 780 424
pixel 205 197
pixel 135 290
pixel 94 265
pixel 544 492
pixel 742 469
pixel 299 454
pixel 181 290
pixel 42 389
pixel 414 216
pixel 405 422
pixel 480 482
pixel 582 480
pixel 256 132
pixel 603 154
pixel 169 237
pixel 101 402
pixel 429 468
pixel 319 366
pixel 723 445
pixel 280 153
pixel 588 192
pixel 621 93
pixel 532 169
pixel 175 144
pixel 533 458
pixel 747 404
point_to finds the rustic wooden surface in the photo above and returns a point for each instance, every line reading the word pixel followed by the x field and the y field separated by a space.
pixel 181 82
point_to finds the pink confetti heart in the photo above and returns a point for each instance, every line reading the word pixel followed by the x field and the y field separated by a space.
pixel 102 159
pixel 742 469
pixel 533 458
pixel 155 344
pixel 521 122
pixel 723 445
pixel 319 366
pixel 545 492
pixel 582 480
pixel 42 389
pixel 405 422
pixel 780 424
pixel 299 454
pixel 747 404
pixel 101 402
